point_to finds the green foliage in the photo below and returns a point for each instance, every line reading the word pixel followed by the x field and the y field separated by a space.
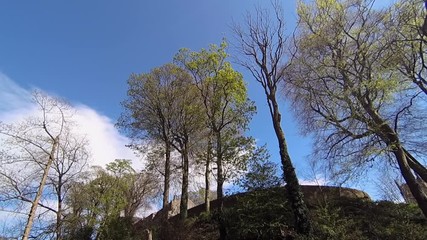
pixel 350 84
pixel 265 214
pixel 330 224
pixel 96 202
pixel 84 233
pixel 237 151
pixel 152 102
pixel 355 219
pixel 223 98
pixel 120 167
pixel 222 88
pixel 261 173
pixel 105 205
pixel 118 229
pixel 259 215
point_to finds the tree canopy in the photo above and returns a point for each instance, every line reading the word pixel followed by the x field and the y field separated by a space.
pixel 346 83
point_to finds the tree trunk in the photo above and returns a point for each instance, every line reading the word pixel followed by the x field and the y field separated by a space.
pixel 219 189
pixel 410 179
pixel 167 176
pixel 36 201
pixel 220 177
pixel 184 191
pixel 207 190
pixel 416 166
pixel 293 189
pixel 403 158
pixel 59 212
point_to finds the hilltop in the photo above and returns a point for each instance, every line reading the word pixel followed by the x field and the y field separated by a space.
pixel 338 213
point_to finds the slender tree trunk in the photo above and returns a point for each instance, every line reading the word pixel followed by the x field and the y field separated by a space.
pixel 293 189
pixel 59 212
pixel 184 190
pixel 220 177
pixel 207 190
pixel 167 176
pixel 36 201
pixel 220 183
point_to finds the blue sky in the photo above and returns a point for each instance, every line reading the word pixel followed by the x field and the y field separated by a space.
pixel 85 51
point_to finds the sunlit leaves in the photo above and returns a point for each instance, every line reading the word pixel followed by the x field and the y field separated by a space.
pixel 351 76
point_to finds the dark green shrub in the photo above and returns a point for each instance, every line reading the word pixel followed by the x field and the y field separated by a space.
pixel 262 214
pixel 117 229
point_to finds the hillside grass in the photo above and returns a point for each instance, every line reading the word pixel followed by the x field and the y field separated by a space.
pixel 266 215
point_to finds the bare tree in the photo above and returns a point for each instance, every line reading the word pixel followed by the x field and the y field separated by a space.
pixel 70 162
pixel 262 44
pixel 35 147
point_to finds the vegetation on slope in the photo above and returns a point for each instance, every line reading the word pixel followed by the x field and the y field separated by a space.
pixel 265 214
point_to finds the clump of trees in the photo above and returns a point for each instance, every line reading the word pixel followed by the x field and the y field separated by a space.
pixel 103 205
pixel 197 105
pixel 355 75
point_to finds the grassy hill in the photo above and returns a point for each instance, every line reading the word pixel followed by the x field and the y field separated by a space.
pixel 336 213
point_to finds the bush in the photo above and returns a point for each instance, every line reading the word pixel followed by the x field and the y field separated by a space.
pixel 118 229
pixel 262 214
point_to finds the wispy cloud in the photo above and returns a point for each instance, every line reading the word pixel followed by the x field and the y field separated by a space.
pixel 14 100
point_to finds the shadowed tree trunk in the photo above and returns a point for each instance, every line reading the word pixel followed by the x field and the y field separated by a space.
pixel 293 188
pixel 184 191
pixel 391 139
pixel 167 176
pixel 207 170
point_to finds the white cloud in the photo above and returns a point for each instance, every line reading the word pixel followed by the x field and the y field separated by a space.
pixel 317 181
pixel 105 142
